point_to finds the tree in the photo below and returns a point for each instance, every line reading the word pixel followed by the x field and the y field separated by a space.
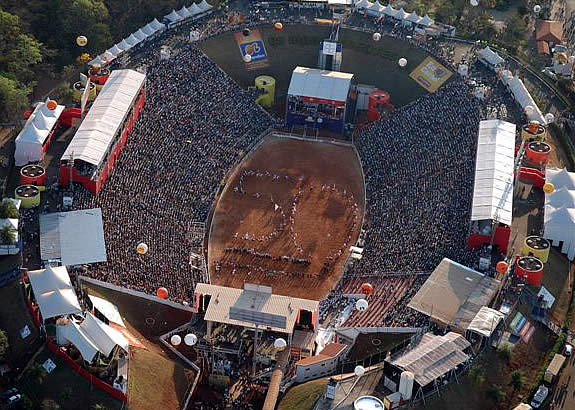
pixel 49 404
pixel 8 210
pixel 36 373
pixel 7 235
pixel 476 374
pixel 517 380
pixel 4 345
pixel 505 353
pixel 495 393
pixel 13 99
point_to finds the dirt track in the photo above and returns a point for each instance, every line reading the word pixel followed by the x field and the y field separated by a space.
pixel 258 236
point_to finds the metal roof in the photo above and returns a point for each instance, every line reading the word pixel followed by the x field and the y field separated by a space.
pixel 485 321
pixel 75 237
pixel 453 294
pixel 315 83
pixel 433 356
pixel 253 306
pixel 494 164
pixel 106 117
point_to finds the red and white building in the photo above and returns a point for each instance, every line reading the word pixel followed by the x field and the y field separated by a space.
pixel 92 153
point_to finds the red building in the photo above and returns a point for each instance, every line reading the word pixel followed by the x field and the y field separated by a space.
pixel 92 153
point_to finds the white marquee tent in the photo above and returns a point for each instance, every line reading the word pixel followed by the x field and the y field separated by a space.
pixel 494 165
pixel 524 99
pixel 78 337
pixel 490 58
pixel 108 309
pixel 32 137
pixel 54 292
pixel 315 83
pixel 559 219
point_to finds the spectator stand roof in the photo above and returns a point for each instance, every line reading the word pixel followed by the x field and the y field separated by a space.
pixel 453 294
pixel 36 130
pixel 74 238
pixel 322 84
pixel 494 165
pixel 486 321
pixel 433 357
pixel 254 304
pixel 54 292
pixel 559 216
pixel 96 134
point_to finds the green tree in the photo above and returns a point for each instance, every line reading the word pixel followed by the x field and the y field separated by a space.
pixel 36 373
pixel 517 380
pixel 505 353
pixel 19 52
pixel 49 404
pixel 13 99
pixel 7 235
pixel 477 375
pixel 4 345
pixel 8 210
pixel 495 393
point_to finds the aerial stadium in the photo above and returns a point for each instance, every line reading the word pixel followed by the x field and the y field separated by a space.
pixel 260 196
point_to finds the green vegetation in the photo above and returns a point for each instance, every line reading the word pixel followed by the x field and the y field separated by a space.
pixel 477 375
pixel 8 210
pixel 4 345
pixel 495 393
pixel 517 380
pixel 505 353
pixel 304 396
pixel 7 235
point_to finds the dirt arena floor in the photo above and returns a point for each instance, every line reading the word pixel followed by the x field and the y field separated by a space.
pixel 286 217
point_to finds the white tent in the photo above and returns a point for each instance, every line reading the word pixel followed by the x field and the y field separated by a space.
pixel 315 83
pixel 123 45
pixel 490 58
pixel 559 218
pixel 78 337
pixel 400 14
pixel 156 25
pixel 375 9
pixel 102 335
pixel 414 18
pixel 194 9
pixel 132 40
pixel 173 17
pixel 98 60
pixel 148 29
pixel 426 21
pixel 485 321
pixel 140 35
pixel 389 11
pixel 494 166
pixel 560 178
pixel 184 12
pixel 561 198
pixel 109 310
pixel 363 4
pixel 115 50
pixel 32 137
pixel 524 99
pixel 54 292
pixel 205 6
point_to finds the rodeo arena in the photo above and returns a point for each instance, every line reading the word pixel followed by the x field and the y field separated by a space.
pixel 297 231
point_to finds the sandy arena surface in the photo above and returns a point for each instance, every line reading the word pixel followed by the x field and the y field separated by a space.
pixel 286 218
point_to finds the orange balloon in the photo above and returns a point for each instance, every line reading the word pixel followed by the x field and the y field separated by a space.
pixel 502 267
pixel 27 114
pixel 367 288
pixel 51 105
pixel 162 293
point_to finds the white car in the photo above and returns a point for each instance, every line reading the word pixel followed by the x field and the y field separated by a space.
pixel 568 350
pixel 540 396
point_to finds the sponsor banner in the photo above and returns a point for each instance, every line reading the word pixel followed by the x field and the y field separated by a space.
pixel 430 74
pixel 253 45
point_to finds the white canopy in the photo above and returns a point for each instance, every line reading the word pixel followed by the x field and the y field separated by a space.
pixel 140 35
pixel 401 14
pixel 426 21
pixel 54 292
pixel 485 321
pixel 494 165
pixel 32 137
pixel 123 45
pixel 98 60
pixel 375 9
pixel 524 99
pixel 108 309
pixel 490 56
pixel 78 337
pixel 389 11
pixel 132 40
pixel 173 17
pixel 363 4
pixel 102 335
pixel 98 130
pixel 115 50
pixel 148 29
pixel 156 25
pixel 205 6
pixel 194 9
pixel 184 12
pixel 315 83
pixel 559 218
pixel 414 18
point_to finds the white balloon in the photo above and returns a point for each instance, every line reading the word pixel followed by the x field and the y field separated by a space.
pixel 537 8
pixel 359 371
pixel 361 305
pixel 248 58
pixel 175 340
pixel 190 339
pixel 402 62
pixel 376 36
pixel 549 118
pixel 280 344
pixel 142 248
pixel 529 110
pixel 474 3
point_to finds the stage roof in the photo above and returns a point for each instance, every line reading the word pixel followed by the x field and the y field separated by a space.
pixel 433 357
pixel 54 292
pixel 106 117
pixel 494 163
pixel 315 83
pixel 75 237
pixel 245 307
pixel 454 293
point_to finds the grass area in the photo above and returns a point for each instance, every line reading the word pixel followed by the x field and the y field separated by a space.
pixel 156 382
pixel 372 63
pixel 14 316
pixel 65 387
pixel 303 396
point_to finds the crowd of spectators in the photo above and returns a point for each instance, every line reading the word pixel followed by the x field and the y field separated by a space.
pixel 196 124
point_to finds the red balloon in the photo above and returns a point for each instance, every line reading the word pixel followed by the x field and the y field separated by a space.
pixel 367 288
pixel 162 293
pixel 27 114
pixel 502 267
